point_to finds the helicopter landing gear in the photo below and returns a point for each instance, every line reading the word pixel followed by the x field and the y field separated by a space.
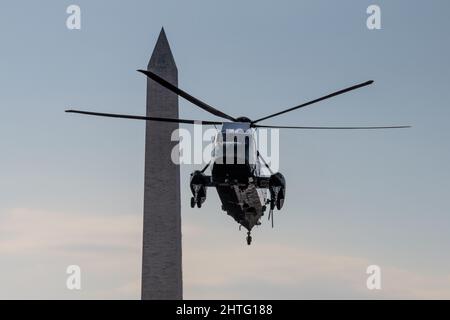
pixel 249 238
pixel 277 188
pixel 197 202
pixel 272 204
pixel 198 187
pixel 280 202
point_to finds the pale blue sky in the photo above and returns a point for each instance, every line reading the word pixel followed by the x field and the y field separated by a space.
pixel 377 197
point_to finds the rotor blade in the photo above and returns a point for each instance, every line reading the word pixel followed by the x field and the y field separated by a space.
pixel 186 96
pixel 125 116
pixel 317 100
pixel 332 128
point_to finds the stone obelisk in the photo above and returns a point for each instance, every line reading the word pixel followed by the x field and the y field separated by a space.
pixel 161 259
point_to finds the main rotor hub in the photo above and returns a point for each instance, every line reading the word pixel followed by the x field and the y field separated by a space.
pixel 243 119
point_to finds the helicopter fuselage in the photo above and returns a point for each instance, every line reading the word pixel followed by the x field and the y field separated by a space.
pixel 236 175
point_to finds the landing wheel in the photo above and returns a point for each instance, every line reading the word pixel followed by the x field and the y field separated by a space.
pixel 249 239
pixel 192 202
pixel 280 203
pixel 199 203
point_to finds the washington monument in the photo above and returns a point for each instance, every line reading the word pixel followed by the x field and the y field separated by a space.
pixel 161 258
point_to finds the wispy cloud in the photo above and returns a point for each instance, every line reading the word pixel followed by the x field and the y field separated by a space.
pixel 287 271
pixel 36 246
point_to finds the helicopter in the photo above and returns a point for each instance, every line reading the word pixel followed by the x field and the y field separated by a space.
pixel 236 165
